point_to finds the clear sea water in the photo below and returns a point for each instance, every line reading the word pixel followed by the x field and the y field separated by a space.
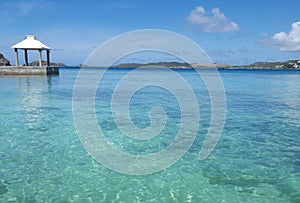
pixel 257 158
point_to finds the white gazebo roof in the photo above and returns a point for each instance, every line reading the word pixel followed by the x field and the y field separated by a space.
pixel 30 43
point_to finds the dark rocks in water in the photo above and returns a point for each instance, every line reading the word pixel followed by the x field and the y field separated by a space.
pixel 46 108
pixel 3 189
pixel 295 198
pixel 4 61
pixel 237 177
pixel 108 125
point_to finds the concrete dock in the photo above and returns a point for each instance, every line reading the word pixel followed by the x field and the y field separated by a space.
pixel 29 70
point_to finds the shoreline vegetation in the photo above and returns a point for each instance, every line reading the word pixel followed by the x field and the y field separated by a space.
pixel 286 65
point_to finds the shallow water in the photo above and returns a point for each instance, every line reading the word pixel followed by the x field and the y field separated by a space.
pixel 257 158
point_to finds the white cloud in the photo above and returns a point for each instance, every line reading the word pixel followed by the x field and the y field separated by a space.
pixel 288 41
pixel 216 21
pixel 12 11
pixel 25 7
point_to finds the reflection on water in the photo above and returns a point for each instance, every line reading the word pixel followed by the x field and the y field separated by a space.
pixel 34 100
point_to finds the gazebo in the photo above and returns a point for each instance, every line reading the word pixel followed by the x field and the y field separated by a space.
pixel 31 43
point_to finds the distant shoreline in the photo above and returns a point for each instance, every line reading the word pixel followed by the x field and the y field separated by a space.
pixel 287 65
pixel 204 68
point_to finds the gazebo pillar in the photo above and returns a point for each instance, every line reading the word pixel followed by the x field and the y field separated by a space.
pixel 17 57
pixel 40 58
pixel 26 57
pixel 48 57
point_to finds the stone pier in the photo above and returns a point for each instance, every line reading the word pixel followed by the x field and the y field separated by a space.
pixel 29 70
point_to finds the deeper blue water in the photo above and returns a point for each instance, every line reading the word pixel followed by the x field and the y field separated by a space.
pixel 257 158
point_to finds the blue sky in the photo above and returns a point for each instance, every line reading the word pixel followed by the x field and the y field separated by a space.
pixel 231 32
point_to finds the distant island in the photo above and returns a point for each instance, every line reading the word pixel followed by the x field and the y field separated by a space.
pixel 286 65
pixel 36 63
pixel 171 65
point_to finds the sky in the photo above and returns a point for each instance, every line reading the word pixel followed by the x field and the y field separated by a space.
pixel 231 32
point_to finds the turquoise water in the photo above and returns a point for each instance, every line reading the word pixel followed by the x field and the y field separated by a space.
pixel 257 158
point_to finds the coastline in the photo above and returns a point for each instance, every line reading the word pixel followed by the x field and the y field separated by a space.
pixel 287 65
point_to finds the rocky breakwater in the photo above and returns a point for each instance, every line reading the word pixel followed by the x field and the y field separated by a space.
pixel 4 61
pixel 7 69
